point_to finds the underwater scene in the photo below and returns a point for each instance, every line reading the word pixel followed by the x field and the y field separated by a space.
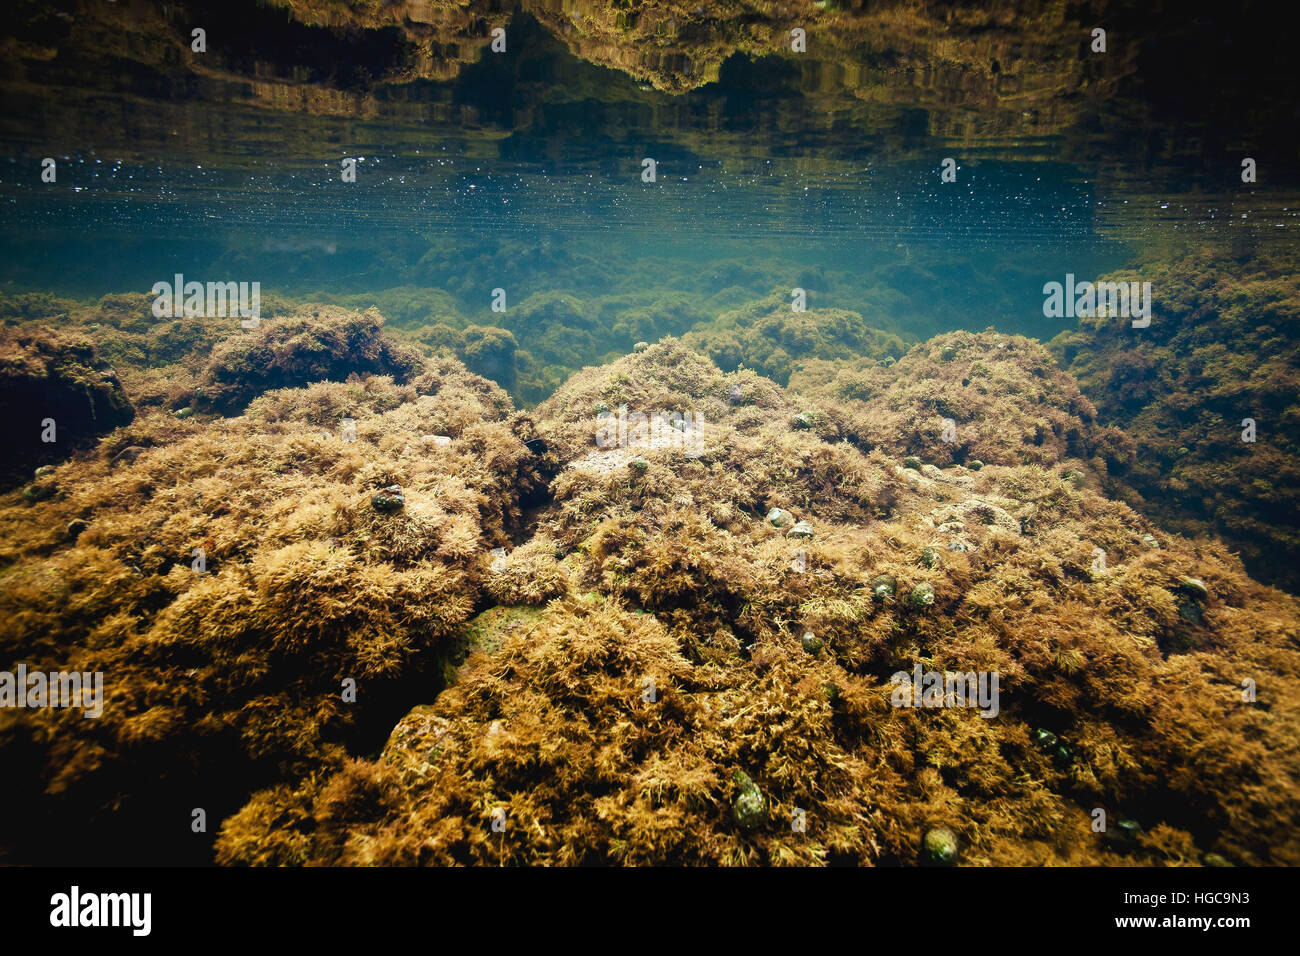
pixel 649 433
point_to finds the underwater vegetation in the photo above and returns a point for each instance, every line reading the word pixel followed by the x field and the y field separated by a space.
pixel 661 648
pixel 769 337
pixel 549 514
pixel 79 394
pixel 1209 395
pixel 967 398
pixel 229 573
pixel 676 670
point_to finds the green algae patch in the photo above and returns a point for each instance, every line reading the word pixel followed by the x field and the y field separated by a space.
pixel 488 631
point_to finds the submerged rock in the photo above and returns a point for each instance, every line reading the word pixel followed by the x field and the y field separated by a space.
pixel 750 806
pixel 389 500
pixel 779 517
pixel 939 847
pixel 884 587
pixel 659 633
pixel 56 396
pixel 128 455
pixel 922 595
pixel 801 529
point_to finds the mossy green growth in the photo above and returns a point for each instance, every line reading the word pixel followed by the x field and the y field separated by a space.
pixel 939 847
pixel 911 461
pixel 884 587
pixel 922 596
pixel 488 631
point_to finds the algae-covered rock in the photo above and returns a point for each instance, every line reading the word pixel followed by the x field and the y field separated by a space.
pixel 317 343
pixel 303 591
pixel 1216 417
pixel 884 587
pixel 997 400
pixel 939 847
pixel 750 807
pixel 643 638
pixel 530 574
pixel 487 632
pixel 388 500
pixel 922 595
pixel 56 396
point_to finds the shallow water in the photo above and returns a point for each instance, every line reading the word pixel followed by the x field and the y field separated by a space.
pixel 816 216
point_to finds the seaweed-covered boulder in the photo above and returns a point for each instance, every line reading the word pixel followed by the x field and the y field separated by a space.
pixel 56 396
pixel 252 613
pixel 610 728
pixel 964 397
pixel 775 341
pixel 314 344
pixel 1210 391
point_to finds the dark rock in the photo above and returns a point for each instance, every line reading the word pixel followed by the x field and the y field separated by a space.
pixel 389 500
pixel 45 377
